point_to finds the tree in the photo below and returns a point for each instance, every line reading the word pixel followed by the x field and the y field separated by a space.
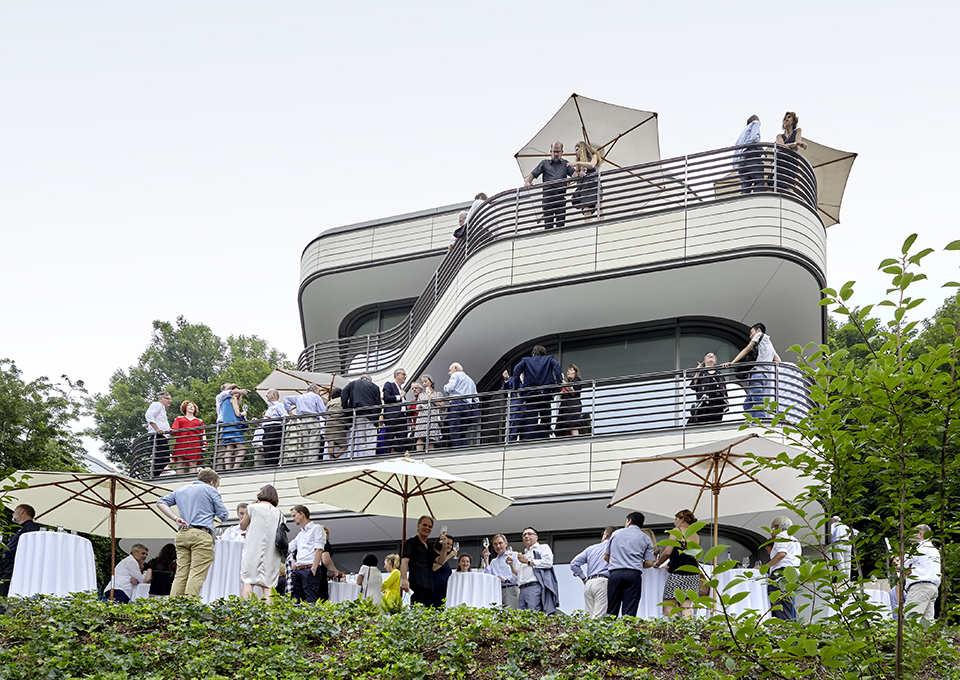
pixel 37 420
pixel 191 362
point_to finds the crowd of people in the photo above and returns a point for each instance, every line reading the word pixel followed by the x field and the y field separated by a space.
pixel 541 400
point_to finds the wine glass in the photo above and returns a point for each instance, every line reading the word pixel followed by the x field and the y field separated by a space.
pixel 456 546
pixel 486 542
pixel 443 530
pixel 746 562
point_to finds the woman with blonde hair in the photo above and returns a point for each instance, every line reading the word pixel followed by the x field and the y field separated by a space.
pixel 586 197
pixel 260 564
pixel 391 584
pixel 676 558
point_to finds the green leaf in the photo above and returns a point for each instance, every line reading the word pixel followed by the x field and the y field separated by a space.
pixel 908 243
pixel 953 245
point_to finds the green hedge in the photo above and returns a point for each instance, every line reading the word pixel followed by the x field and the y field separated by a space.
pixel 161 639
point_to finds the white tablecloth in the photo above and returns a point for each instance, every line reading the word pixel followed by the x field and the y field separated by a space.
pixel 343 592
pixel 652 594
pixel 755 586
pixel 882 598
pixel 142 590
pixel 473 590
pixel 51 563
pixel 223 579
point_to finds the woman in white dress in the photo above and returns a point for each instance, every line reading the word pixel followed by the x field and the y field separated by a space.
pixel 370 579
pixel 261 562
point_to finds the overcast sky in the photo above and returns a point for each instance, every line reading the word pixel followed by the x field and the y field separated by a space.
pixel 174 158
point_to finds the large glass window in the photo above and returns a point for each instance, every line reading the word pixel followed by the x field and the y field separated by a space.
pixel 375 320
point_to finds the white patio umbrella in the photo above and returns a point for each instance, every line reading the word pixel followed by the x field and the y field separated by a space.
pixel 106 504
pixel 291 383
pixel 402 487
pixel 693 477
pixel 623 136
pixel 831 168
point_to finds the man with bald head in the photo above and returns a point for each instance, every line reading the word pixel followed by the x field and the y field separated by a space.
pixel 554 171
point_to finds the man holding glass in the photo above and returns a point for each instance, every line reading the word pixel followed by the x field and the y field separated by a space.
pixel 509 592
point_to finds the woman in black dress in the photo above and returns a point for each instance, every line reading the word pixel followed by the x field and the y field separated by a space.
pixel 586 197
pixel 711 389
pixel 571 408
pixel 160 571
pixel 788 167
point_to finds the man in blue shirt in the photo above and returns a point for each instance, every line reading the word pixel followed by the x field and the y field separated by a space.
pixel 463 405
pixel 310 408
pixel 627 551
pixel 198 503
pixel 554 170
pixel 539 372
pixel 748 158
pixel 591 568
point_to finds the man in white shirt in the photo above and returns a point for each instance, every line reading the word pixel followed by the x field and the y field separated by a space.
pixel 235 533
pixel 509 593
pixel 923 577
pixel 760 383
pixel 128 574
pixel 535 576
pixel 308 551
pixel 159 427
pixel 785 552
pixel 841 545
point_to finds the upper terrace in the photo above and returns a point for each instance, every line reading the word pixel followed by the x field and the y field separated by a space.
pixel 663 226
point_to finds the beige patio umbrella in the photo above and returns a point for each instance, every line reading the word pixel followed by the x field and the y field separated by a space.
pixel 694 478
pixel 623 136
pixel 402 487
pixel 831 168
pixel 291 383
pixel 103 504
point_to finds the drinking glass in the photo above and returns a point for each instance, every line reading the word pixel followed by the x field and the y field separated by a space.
pixel 486 542
pixel 456 546
pixel 443 530
pixel 746 562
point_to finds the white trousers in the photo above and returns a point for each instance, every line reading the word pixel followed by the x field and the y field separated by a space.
pixel 363 438
pixel 595 596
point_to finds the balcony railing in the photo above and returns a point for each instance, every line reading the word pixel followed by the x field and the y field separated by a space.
pixel 613 407
pixel 622 193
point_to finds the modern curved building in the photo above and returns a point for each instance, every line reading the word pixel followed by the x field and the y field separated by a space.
pixel 679 261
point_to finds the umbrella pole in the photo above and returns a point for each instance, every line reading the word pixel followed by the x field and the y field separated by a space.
pixel 113 535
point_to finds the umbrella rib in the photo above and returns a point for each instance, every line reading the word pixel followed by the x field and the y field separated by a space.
pixel 448 486
pixel 835 160
pixel 627 132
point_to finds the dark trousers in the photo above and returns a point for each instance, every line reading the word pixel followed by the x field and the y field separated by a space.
pixel 788 606
pixel 161 453
pixel 395 435
pixel 536 420
pixel 623 589
pixel 272 438
pixel 752 173
pixel 421 595
pixel 554 207
pixel 462 417
pixel 306 586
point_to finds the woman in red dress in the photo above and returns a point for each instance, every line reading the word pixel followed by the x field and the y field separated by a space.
pixel 189 438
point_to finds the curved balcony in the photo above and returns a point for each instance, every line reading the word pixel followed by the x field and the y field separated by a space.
pixel 611 414
pixel 680 210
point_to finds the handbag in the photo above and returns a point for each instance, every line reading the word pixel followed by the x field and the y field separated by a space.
pixel 742 374
pixel 281 541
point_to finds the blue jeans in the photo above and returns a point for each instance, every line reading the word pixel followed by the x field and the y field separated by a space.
pixel 788 605
pixel 758 387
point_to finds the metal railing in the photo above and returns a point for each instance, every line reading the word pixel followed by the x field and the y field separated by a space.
pixel 615 407
pixel 618 194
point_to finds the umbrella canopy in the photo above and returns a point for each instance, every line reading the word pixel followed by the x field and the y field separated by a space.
pixel 623 136
pixel 831 167
pixel 106 504
pixel 694 477
pixel 402 487
pixel 290 383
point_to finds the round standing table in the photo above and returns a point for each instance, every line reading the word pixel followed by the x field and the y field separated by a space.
pixel 473 589
pixel 52 563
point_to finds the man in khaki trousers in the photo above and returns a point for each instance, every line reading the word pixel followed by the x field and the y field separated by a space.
pixel 198 503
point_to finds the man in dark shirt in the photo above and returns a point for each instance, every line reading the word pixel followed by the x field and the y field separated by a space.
pixel 394 419
pixel 538 371
pixel 364 396
pixel 22 515
pixel 554 192
pixel 416 564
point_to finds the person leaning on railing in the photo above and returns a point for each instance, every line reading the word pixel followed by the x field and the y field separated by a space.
pixel 554 195
pixel 788 176
pixel 273 430
pixel 760 384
